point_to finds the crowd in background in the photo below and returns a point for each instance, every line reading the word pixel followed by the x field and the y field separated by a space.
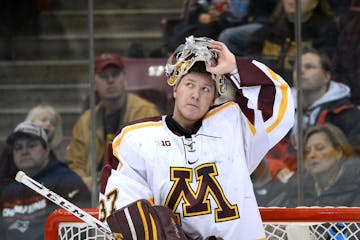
pixel 258 29
pixel 265 31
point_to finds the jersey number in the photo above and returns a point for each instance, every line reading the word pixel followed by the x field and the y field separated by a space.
pixel 111 196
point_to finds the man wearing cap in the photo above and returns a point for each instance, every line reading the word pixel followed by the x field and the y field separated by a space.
pixel 23 211
pixel 116 108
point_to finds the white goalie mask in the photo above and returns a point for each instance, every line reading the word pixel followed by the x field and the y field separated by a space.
pixel 186 55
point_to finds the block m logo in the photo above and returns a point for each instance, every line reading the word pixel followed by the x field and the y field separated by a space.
pixel 198 203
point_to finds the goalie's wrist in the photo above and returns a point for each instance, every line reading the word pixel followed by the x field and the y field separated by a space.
pixel 233 72
pixel 234 77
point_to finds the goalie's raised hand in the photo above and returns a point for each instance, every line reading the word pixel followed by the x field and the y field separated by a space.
pixel 226 61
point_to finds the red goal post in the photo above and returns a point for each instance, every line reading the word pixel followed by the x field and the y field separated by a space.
pixel 279 223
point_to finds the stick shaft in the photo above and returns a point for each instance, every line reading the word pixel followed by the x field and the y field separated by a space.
pixel 62 202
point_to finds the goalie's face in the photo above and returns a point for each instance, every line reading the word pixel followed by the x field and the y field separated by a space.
pixel 194 95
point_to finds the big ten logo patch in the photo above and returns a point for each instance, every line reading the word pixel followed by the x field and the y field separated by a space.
pixel 164 143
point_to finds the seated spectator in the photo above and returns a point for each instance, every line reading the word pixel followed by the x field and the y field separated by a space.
pixel 50 120
pixel 332 171
pixel 237 37
pixel 116 108
pixel 206 19
pixel 347 55
pixel 274 44
pixel 324 101
pixel 23 211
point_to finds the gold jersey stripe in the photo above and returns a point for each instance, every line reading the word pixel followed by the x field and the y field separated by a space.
pixel 284 102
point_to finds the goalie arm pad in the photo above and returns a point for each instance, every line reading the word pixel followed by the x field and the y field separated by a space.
pixel 140 220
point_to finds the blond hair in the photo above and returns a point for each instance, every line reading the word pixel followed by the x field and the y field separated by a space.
pixel 33 114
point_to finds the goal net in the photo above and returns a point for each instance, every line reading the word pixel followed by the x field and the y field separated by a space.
pixel 303 223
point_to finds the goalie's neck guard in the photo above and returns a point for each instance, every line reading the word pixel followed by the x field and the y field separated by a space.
pixel 194 50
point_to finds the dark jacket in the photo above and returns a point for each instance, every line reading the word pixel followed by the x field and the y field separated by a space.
pixel 335 107
pixel 274 44
pixel 24 211
pixel 347 56
pixel 344 192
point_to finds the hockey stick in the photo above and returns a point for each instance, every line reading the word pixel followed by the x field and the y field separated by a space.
pixel 62 202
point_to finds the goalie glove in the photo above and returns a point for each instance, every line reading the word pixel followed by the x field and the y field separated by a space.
pixel 140 220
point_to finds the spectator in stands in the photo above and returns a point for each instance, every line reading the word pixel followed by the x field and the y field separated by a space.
pixel 49 119
pixel 324 101
pixel 274 43
pixel 347 55
pixel 202 18
pixel 237 37
pixel 116 108
pixel 23 211
pixel 333 172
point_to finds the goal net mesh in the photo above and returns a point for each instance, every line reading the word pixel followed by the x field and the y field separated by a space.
pixel 279 223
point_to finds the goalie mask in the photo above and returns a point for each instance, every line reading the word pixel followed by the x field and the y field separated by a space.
pixel 186 55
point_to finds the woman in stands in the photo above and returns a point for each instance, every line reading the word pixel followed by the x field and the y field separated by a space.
pixel 334 171
pixel 47 117
pixel 275 45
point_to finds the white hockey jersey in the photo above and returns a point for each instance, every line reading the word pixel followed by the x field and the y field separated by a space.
pixel 205 178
